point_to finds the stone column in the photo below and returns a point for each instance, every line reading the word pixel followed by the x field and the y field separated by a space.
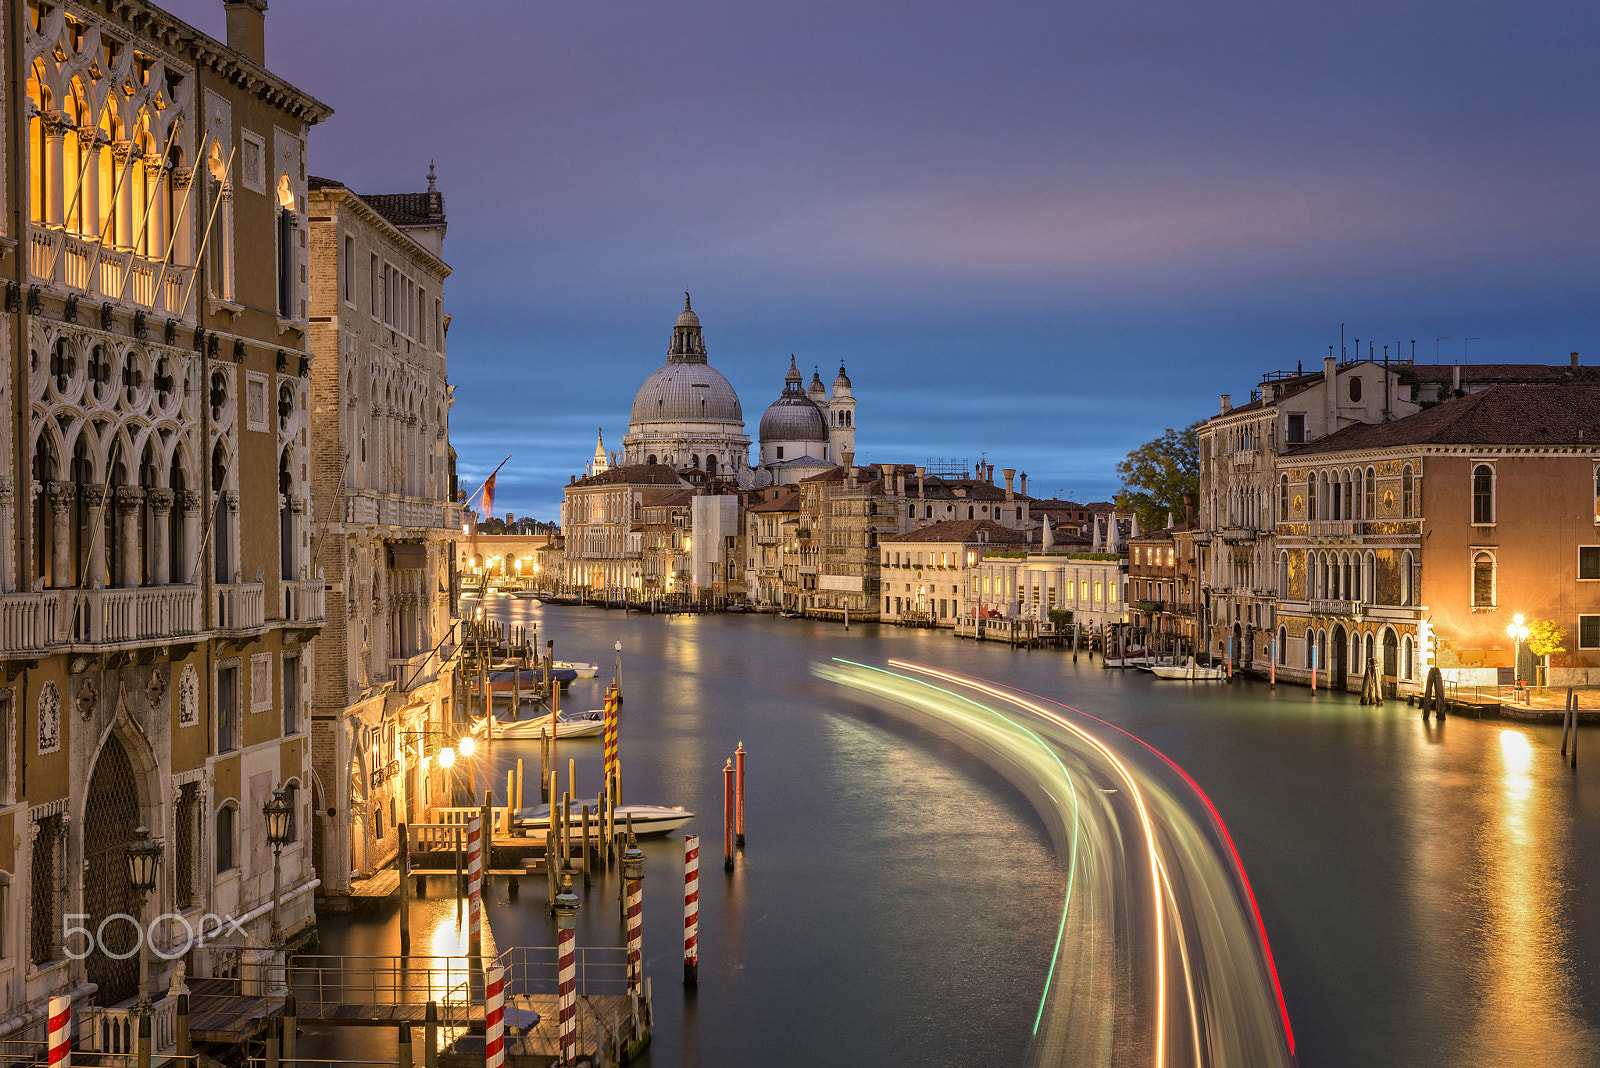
pixel 190 502
pixel 55 133
pixel 61 497
pixel 8 530
pixel 89 198
pixel 95 548
pixel 122 234
pixel 160 516
pixel 156 232
pixel 183 239
pixel 129 498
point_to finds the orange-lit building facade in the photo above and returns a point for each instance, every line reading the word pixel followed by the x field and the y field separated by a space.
pixel 1416 543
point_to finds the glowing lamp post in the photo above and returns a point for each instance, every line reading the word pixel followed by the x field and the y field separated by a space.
pixel 144 861
pixel 1518 633
pixel 617 681
pixel 277 811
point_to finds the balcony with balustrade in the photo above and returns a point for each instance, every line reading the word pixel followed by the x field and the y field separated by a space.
pixel 83 267
pixel 367 508
pixel 303 600
pixel 1337 609
pixel 46 620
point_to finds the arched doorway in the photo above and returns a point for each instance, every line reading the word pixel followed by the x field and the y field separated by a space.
pixel 1339 664
pixel 1390 655
pixel 1236 654
pixel 107 892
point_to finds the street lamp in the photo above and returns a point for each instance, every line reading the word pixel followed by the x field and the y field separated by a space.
pixel 144 859
pixel 277 811
pixel 618 679
pixel 1518 633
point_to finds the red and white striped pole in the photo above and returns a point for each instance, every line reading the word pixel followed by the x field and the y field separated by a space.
pixel 738 807
pixel 633 876
pixel 691 910
pixel 727 816
pixel 475 884
pixel 60 1033
pixel 494 1017
pixel 567 972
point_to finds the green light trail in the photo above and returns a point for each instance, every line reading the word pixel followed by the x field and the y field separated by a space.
pixel 1072 864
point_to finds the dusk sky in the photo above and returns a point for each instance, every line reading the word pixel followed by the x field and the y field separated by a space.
pixel 1037 232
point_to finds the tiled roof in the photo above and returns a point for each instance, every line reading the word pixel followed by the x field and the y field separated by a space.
pixel 963 530
pixel 787 503
pixel 1502 373
pixel 633 475
pixel 1499 415
pixel 408 209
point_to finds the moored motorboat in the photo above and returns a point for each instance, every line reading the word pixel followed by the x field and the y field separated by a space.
pixel 531 596
pixel 568 725
pixel 647 820
pixel 1190 671
pixel 585 671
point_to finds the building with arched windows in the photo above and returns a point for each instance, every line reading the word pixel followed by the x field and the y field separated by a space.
pixel 1414 544
pixel 384 487
pixel 159 581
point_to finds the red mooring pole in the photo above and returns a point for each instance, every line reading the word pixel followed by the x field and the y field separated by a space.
pixel 691 910
pixel 727 815
pixel 738 808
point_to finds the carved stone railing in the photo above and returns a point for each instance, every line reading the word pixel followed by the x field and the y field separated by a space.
pixel 59 258
pixel 241 606
pixel 37 621
pixel 1343 609
pixel 303 600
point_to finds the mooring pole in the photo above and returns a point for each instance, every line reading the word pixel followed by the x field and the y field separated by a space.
pixel 728 803
pixel 738 806
pixel 691 910
pixel 567 971
pixel 633 873
pixel 430 1035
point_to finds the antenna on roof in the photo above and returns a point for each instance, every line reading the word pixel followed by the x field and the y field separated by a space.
pixel 1444 337
pixel 1341 342
pixel 1413 350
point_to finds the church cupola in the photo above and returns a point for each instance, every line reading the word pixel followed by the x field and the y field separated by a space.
pixel 793 381
pixel 818 391
pixel 687 344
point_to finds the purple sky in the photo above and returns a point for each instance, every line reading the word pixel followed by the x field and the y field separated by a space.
pixel 1041 232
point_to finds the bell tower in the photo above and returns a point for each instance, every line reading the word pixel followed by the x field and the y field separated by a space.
pixel 842 421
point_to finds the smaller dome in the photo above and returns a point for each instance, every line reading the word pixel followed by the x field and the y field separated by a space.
pixel 816 387
pixel 793 418
pixel 843 380
pixel 687 317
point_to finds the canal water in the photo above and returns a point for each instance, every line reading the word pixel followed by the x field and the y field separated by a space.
pixel 1429 891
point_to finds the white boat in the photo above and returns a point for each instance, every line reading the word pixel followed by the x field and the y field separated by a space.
pixel 648 820
pixel 568 725
pixel 531 596
pixel 1190 671
pixel 585 671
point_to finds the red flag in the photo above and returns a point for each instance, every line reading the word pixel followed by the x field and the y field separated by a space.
pixel 488 497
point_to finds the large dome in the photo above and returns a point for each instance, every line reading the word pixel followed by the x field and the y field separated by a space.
pixel 794 418
pixel 686 392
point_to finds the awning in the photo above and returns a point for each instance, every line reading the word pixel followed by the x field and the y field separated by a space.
pixel 407 556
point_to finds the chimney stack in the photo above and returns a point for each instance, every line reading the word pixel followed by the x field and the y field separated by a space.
pixel 920 472
pixel 1574 359
pixel 247 29
pixel 1010 474
pixel 1022 488
pixel 1455 379
pixel 1227 403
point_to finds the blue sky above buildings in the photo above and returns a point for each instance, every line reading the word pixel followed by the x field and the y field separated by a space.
pixel 1037 232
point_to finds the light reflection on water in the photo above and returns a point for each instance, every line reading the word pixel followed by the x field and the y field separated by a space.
pixel 897 900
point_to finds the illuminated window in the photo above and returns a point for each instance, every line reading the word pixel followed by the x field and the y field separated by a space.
pixel 1372 495
pixel 1408 493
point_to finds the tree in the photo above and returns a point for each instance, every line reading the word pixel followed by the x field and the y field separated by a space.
pixel 1545 637
pixel 1157 474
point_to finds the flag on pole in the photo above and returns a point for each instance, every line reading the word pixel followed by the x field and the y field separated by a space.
pixel 488 496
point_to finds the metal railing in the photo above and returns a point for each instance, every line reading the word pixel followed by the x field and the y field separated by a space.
pixel 533 970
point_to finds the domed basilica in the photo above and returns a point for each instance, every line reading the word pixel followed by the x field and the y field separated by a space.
pixel 687 415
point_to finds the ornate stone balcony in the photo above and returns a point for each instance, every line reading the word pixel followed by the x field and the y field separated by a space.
pixel 241 606
pixel 400 510
pixel 1238 534
pixel 36 622
pixel 1342 609
pixel 75 263
pixel 303 600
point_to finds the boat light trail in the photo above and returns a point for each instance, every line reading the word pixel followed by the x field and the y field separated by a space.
pixel 1238 861
pixel 1047 749
pixel 1144 818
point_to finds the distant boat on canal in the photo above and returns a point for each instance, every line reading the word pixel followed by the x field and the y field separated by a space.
pixel 648 820
pixel 568 725
pixel 1191 671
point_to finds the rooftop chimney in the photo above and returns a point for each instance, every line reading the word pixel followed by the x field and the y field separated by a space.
pixel 246 29
pixel 1574 359
pixel 1455 378
pixel 1022 488
pixel 1010 473
pixel 1227 403
pixel 920 472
